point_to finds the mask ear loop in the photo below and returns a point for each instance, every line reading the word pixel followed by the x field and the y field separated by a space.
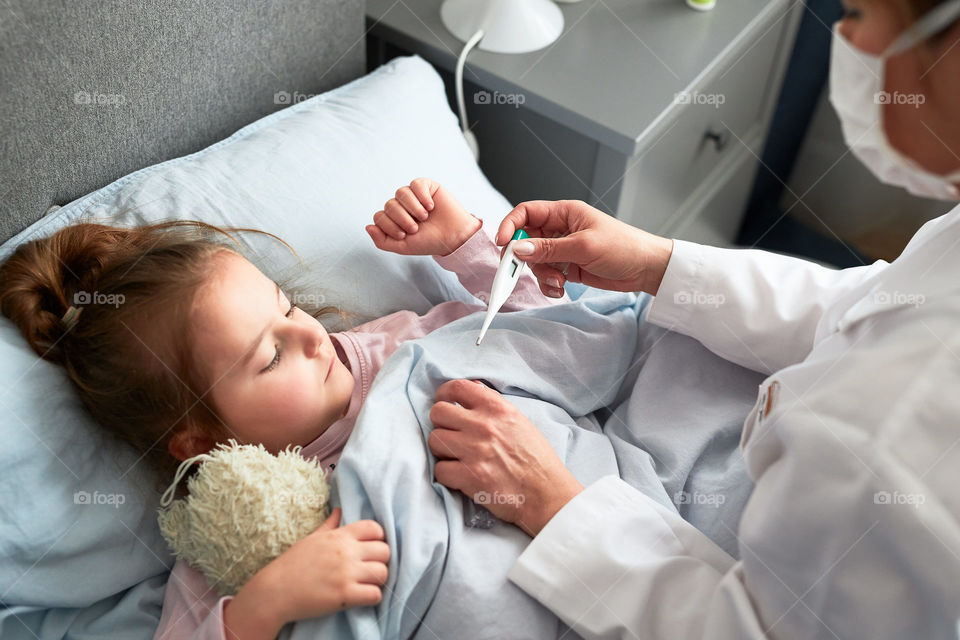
pixel 167 496
pixel 938 18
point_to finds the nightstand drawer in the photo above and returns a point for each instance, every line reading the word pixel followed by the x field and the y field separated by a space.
pixel 711 127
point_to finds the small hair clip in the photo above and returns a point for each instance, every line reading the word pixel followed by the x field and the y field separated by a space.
pixel 70 316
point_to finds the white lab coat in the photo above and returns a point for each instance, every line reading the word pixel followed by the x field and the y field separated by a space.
pixel 853 528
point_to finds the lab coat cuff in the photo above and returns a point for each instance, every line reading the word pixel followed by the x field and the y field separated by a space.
pixel 572 555
pixel 671 308
pixel 566 560
pixel 612 533
pixel 543 569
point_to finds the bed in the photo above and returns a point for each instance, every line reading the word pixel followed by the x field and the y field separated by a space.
pixel 92 93
pixel 263 115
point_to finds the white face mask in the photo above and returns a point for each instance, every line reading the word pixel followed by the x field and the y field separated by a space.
pixel 856 92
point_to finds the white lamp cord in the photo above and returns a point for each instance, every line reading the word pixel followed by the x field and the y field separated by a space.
pixel 471 43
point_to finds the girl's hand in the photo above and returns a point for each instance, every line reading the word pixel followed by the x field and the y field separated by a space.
pixel 331 569
pixel 423 219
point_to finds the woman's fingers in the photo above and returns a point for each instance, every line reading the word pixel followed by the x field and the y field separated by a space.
pixel 400 216
pixel 533 233
pixel 550 279
pixel 577 248
pixel 450 473
pixel 448 444
pixel 550 216
pixel 468 393
pixel 520 217
pixel 448 414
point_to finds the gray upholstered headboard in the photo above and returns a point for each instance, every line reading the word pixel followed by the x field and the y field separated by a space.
pixel 92 90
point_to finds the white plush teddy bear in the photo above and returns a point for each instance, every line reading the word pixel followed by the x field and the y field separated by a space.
pixel 245 507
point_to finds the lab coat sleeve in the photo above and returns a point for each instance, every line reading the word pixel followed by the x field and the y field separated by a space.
pixel 844 536
pixel 755 308
pixel 615 564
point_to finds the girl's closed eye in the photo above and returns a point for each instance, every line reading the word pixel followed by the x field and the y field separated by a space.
pixel 276 358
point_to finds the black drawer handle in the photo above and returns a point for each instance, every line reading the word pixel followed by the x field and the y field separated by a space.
pixel 719 138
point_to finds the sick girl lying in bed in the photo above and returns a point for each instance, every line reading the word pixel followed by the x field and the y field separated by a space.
pixel 177 342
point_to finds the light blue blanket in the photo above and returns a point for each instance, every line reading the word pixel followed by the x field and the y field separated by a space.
pixel 671 430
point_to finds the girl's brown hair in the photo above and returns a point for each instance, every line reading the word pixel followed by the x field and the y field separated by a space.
pixel 129 349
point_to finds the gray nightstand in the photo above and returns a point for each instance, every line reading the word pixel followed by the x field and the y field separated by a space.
pixel 646 109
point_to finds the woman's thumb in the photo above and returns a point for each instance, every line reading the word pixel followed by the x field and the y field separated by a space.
pixel 565 249
pixel 333 520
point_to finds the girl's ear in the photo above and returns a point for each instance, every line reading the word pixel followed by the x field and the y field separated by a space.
pixel 186 443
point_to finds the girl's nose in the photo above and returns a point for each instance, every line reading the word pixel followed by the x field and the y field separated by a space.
pixel 310 338
pixel 314 343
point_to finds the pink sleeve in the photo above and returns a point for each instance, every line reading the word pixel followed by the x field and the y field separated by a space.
pixel 191 609
pixel 375 341
pixel 475 264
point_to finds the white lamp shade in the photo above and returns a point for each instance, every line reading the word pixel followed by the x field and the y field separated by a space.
pixel 510 26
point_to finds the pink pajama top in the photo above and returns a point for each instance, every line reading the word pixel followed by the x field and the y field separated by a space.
pixel 191 609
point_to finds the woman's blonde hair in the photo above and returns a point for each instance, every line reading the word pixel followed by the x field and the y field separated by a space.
pixel 919 8
pixel 128 346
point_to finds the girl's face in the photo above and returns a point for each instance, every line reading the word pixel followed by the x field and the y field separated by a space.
pixel 275 375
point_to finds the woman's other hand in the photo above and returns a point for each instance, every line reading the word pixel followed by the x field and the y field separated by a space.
pixel 491 452
pixel 594 248
pixel 422 219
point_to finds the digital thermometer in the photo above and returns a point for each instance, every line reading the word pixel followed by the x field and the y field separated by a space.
pixel 503 283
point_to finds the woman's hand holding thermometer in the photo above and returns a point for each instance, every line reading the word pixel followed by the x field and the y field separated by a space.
pixel 572 241
pixel 504 282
